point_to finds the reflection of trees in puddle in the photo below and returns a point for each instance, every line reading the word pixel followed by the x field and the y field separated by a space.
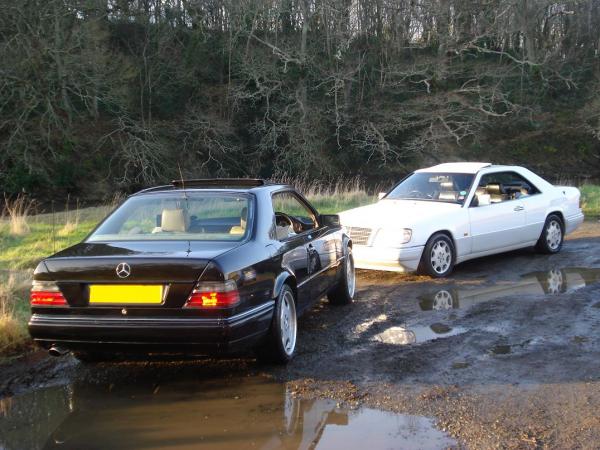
pixel 551 282
pixel 241 413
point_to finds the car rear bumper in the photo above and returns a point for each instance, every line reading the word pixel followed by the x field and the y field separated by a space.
pixel 383 258
pixel 573 222
pixel 173 335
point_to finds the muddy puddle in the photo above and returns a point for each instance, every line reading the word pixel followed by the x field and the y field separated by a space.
pixel 243 413
pixel 551 282
pixel 417 334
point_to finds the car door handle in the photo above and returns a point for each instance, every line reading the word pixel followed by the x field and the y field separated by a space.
pixel 519 208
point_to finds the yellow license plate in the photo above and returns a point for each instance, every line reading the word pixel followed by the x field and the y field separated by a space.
pixel 126 294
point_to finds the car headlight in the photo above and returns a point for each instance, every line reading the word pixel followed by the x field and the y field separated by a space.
pixel 393 237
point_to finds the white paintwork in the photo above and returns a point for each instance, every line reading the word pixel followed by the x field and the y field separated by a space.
pixel 457 167
pixel 476 230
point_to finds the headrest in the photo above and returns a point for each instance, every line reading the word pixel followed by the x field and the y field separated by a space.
pixel 480 190
pixel 494 189
pixel 244 217
pixel 174 220
pixel 447 186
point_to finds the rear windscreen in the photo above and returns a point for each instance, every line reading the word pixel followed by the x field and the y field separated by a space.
pixel 173 216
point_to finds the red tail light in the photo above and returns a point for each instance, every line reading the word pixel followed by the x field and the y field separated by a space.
pixel 46 293
pixel 214 295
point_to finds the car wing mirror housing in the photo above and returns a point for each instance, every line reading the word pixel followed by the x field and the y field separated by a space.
pixel 481 200
pixel 330 220
pixel 381 195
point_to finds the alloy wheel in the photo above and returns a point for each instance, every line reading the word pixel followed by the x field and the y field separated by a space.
pixel 442 300
pixel 441 256
pixel 553 235
pixel 350 275
pixel 287 321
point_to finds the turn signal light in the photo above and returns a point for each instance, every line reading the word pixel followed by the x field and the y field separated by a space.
pixel 46 293
pixel 214 295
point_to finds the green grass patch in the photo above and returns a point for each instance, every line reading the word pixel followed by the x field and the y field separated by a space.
pixel 14 311
pixel 25 251
pixel 590 200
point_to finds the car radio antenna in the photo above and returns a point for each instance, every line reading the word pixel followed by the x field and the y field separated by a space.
pixel 182 182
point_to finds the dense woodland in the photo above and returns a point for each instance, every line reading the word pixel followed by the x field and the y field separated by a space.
pixel 97 95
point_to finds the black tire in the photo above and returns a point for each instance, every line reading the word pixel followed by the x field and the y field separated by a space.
pixel 552 237
pixel 274 350
pixel 441 263
pixel 343 292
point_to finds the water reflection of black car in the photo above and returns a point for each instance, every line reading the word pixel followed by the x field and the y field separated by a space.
pixel 230 413
pixel 201 266
pixel 551 282
pixel 262 415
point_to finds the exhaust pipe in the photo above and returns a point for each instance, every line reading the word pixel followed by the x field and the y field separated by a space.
pixel 57 351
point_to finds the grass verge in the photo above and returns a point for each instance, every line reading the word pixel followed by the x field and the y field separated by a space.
pixel 14 311
pixel 590 200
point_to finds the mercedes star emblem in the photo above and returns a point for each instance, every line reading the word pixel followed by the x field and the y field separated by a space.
pixel 123 270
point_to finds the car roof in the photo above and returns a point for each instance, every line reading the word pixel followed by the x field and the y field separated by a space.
pixel 457 167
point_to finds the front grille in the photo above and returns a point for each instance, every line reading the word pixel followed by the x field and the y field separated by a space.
pixel 359 236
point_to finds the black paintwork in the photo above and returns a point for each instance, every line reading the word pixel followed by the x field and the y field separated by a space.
pixel 260 265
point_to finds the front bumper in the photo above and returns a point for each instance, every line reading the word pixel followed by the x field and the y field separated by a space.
pixel 383 258
pixel 172 335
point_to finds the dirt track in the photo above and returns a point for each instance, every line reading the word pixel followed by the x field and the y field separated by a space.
pixel 504 354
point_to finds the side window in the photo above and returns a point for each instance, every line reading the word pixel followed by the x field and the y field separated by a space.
pixel 292 216
pixel 505 186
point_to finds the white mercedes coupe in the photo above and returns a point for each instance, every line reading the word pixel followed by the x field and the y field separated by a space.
pixel 446 214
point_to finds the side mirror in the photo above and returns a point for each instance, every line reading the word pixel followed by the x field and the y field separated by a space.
pixel 481 200
pixel 329 220
pixel 381 195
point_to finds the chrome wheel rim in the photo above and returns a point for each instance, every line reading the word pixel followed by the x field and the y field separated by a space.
pixel 350 276
pixel 442 300
pixel 441 256
pixel 287 322
pixel 553 235
pixel 555 281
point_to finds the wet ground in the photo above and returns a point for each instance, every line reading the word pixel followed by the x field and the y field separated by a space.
pixel 234 413
pixel 504 354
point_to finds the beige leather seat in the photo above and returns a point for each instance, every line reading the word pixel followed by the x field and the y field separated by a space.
pixel 448 195
pixel 496 192
pixel 282 232
pixel 447 191
pixel 174 220
pixel 241 228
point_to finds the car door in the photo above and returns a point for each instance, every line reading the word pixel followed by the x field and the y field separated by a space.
pixel 536 206
pixel 302 243
pixel 499 224
pixel 323 255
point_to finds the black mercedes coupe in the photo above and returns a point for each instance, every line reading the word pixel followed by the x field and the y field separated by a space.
pixel 198 267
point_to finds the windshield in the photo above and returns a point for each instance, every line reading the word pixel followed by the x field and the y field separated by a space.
pixel 433 186
pixel 196 216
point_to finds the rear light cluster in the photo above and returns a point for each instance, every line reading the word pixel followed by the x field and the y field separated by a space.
pixel 211 294
pixel 46 293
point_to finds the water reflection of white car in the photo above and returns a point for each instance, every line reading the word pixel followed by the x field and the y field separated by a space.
pixel 552 282
pixel 446 214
